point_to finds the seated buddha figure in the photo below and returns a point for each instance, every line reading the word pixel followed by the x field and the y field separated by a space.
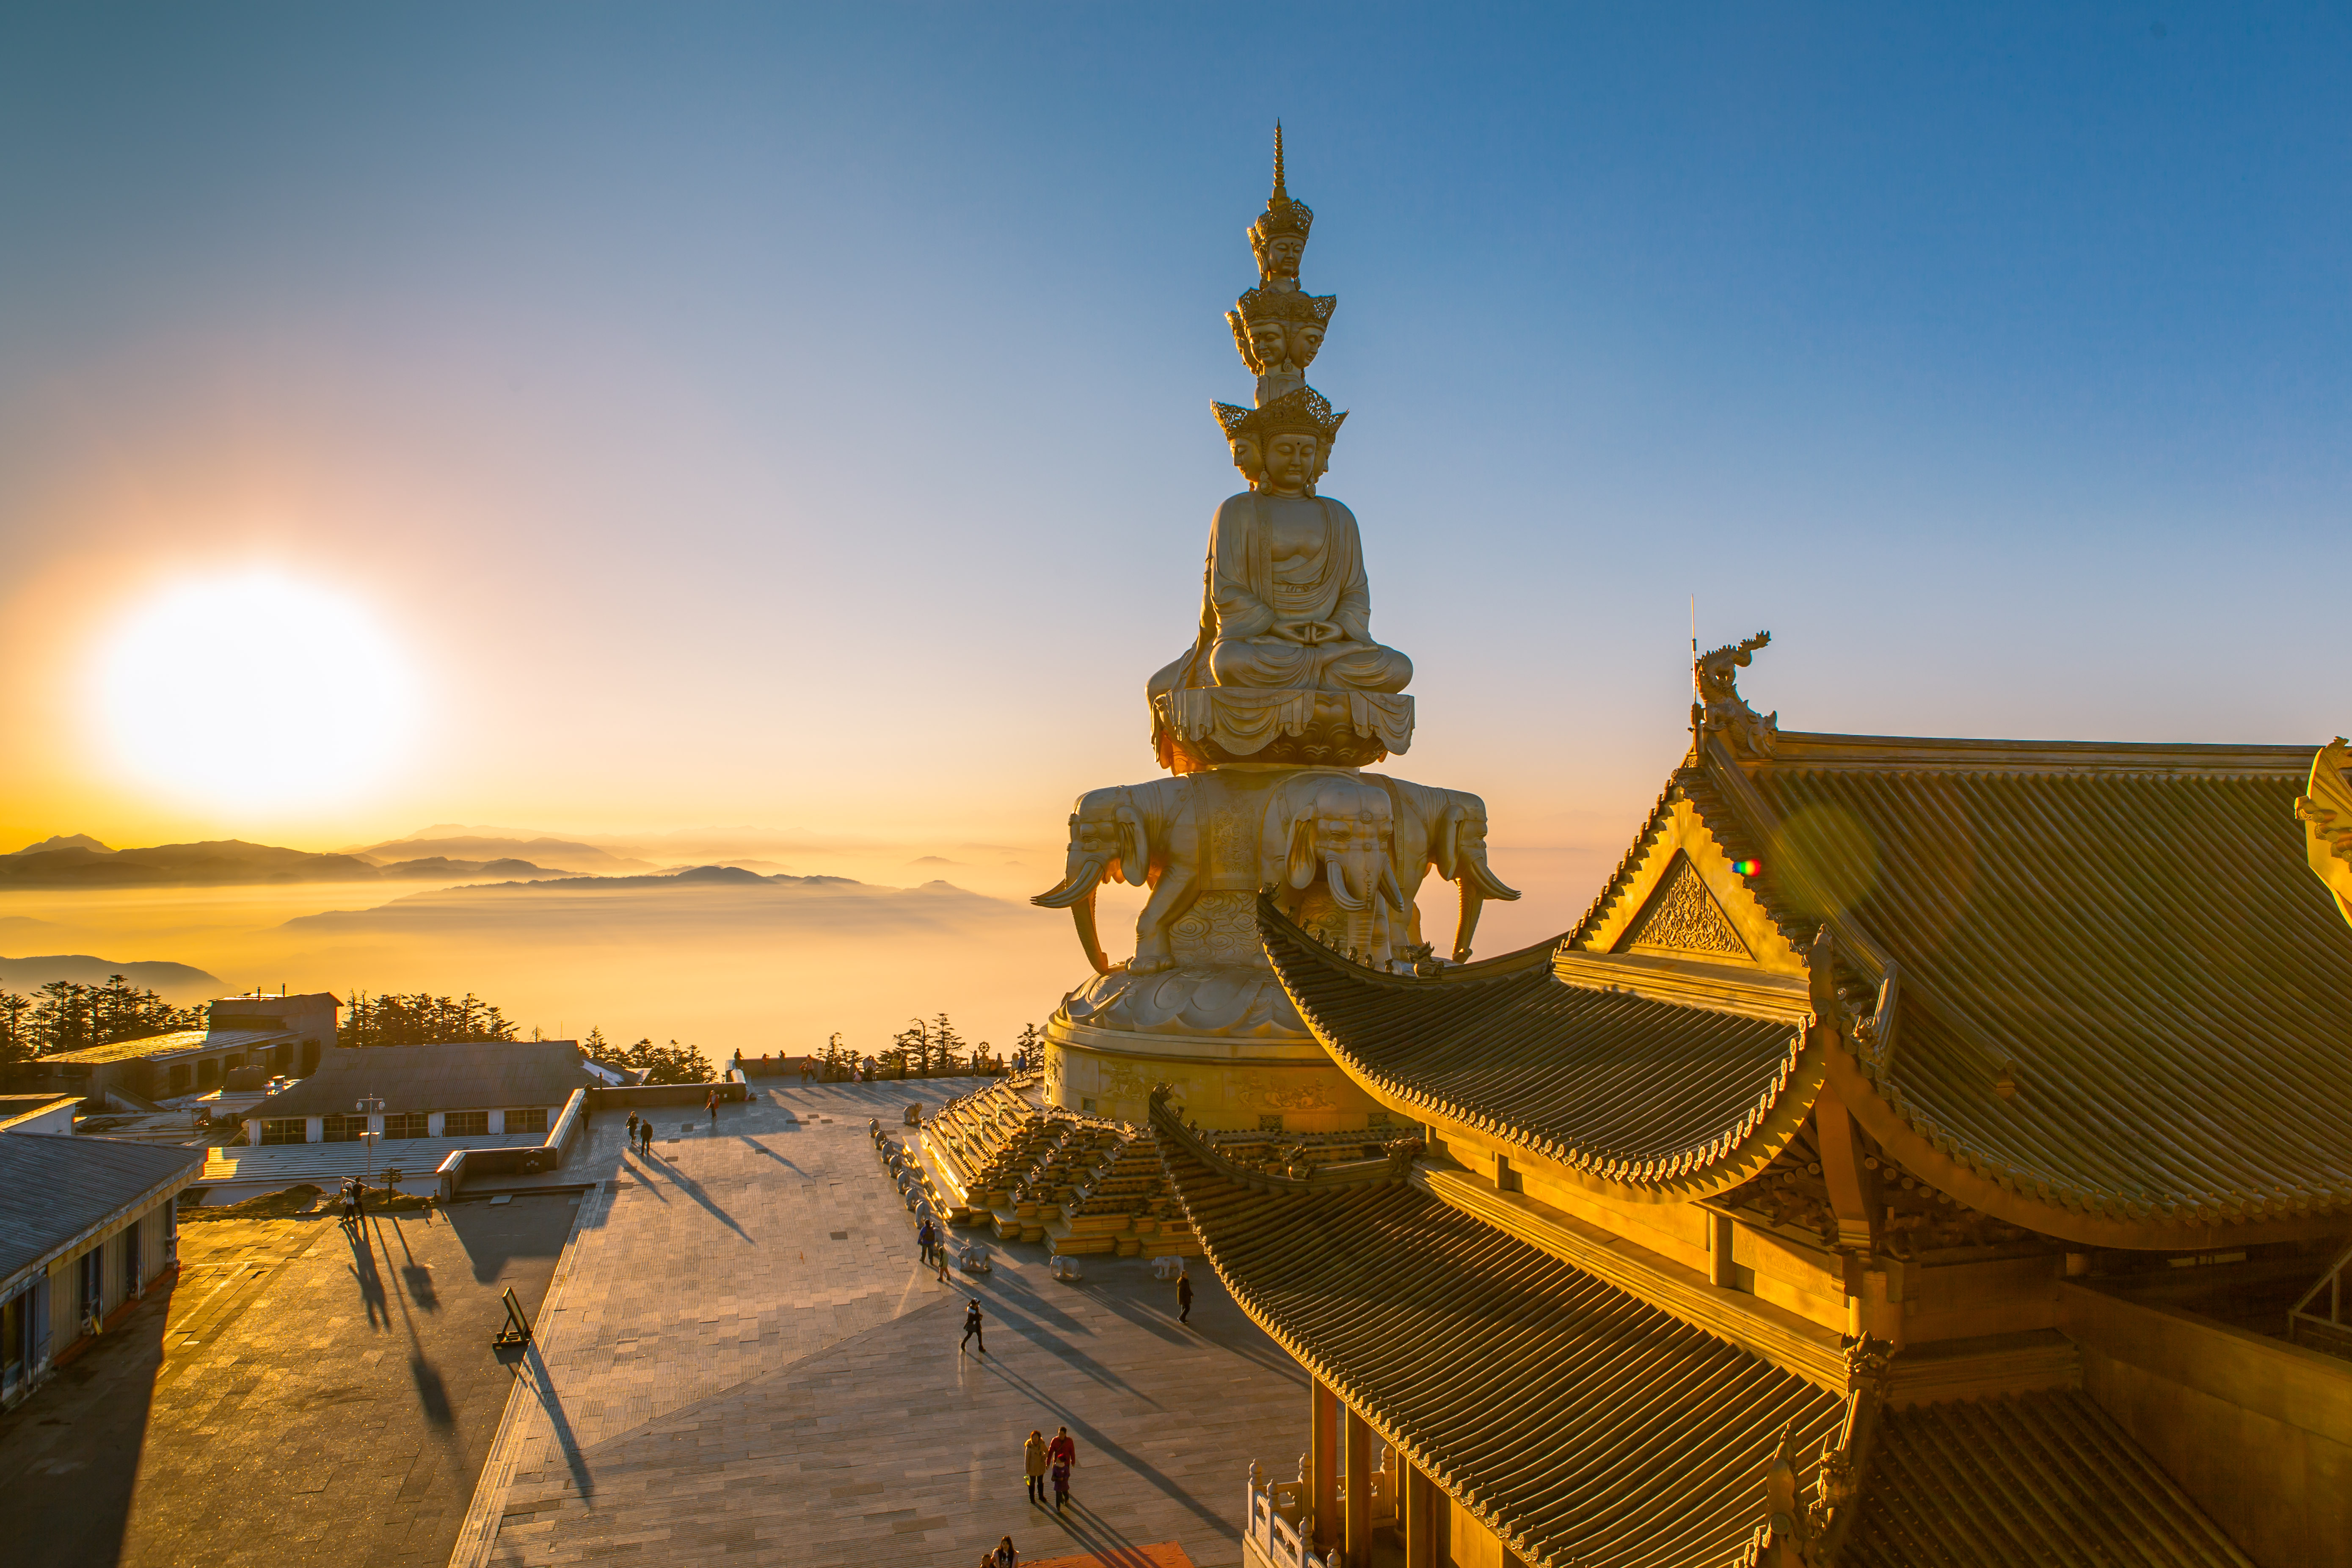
pixel 1285 603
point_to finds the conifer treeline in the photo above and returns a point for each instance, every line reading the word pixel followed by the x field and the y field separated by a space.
pixel 420 1020
pixel 64 1016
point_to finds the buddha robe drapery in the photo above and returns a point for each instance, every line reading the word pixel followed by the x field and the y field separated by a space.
pixel 1302 622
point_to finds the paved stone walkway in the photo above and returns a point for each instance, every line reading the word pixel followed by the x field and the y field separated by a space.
pixel 747 1361
pixel 300 1398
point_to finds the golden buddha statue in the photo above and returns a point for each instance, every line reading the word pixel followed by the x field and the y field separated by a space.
pixel 1285 603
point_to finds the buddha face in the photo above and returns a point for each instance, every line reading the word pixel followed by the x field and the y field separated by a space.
pixel 1280 257
pixel 1290 464
pixel 1246 459
pixel 1269 343
pixel 1306 341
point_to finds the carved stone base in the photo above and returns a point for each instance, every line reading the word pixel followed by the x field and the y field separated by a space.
pixel 1198 727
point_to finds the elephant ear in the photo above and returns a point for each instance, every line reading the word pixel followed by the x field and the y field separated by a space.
pixel 1302 863
pixel 1445 843
pixel 1134 847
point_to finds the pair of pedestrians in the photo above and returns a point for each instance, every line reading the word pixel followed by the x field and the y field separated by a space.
pixel 641 1134
pixel 1056 1458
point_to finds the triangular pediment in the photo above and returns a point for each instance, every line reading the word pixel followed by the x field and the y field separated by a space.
pixel 1683 919
pixel 1679 895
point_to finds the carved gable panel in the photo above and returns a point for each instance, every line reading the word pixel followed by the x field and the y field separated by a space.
pixel 1682 917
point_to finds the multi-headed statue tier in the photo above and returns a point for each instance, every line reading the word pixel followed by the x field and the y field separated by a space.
pixel 1265 721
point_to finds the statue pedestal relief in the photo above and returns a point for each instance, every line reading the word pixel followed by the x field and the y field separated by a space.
pixel 1263 724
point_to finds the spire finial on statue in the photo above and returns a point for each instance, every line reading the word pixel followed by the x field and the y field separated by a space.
pixel 1279 236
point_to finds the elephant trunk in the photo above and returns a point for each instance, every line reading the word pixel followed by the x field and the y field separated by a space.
pixel 1343 894
pixel 1075 893
pixel 1473 902
pixel 1083 912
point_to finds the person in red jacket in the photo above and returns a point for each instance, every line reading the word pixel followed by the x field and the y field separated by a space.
pixel 1061 1453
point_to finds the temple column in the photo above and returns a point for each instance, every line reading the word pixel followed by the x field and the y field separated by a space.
pixel 1420 1513
pixel 1359 1511
pixel 1323 1460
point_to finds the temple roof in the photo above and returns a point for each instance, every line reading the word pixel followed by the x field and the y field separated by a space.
pixel 2122 1008
pixel 1587 1427
pixel 2071 1485
pixel 1631 1088
pixel 1581 1425
pixel 2129 935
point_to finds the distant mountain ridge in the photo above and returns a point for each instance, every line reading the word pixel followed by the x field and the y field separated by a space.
pixel 72 862
pixel 456 843
pixel 174 982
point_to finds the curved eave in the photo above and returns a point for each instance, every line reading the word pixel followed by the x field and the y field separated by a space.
pixel 1471 1481
pixel 1737 1152
pixel 1966 1182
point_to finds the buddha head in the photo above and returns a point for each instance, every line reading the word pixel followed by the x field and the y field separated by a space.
pixel 1277 330
pixel 1283 447
pixel 1278 238
pixel 1247 459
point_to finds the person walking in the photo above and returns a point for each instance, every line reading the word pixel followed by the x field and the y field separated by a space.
pixel 646 1138
pixel 633 1132
pixel 1032 1457
pixel 971 1329
pixel 1183 1296
pixel 940 1261
pixel 712 1101
pixel 1062 1454
pixel 923 1238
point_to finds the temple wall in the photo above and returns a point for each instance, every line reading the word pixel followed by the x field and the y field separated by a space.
pixel 2258 1431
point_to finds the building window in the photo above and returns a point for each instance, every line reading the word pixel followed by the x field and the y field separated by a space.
pixel 130 1260
pixel 288 1131
pixel 530 1118
pixel 1505 1179
pixel 1269 1123
pixel 1086 1105
pixel 345 1129
pixel 407 1124
pixel 1376 1119
pixel 466 1124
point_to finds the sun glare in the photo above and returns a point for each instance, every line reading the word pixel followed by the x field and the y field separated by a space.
pixel 254 691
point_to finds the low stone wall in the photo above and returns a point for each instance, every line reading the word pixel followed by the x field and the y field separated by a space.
pixel 729 1093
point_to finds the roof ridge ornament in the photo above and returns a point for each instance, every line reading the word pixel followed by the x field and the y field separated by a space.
pixel 2324 809
pixel 1795 1534
pixel 1720 707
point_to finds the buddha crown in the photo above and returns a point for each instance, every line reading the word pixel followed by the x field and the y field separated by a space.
pixel 1282 215
pixel 1305 412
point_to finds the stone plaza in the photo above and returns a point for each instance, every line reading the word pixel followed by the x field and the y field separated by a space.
pixel 738 1356
pixel 744 1359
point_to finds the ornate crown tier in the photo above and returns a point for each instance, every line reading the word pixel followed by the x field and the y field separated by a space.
pixel 1262 307
pixel 1305 412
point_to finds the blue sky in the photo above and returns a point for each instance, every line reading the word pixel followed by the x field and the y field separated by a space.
pixel 800 416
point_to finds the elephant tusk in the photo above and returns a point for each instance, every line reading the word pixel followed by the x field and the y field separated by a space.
pixel 1341 893
pixel 1083 912
pixel 1079 884
pixel 1389 889
pixel 1475 870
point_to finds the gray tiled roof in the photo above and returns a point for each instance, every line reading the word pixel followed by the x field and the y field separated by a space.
pixel 484 1075
pixel 54 1186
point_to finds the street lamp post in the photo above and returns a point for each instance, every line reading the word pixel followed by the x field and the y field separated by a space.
pixel 370 1107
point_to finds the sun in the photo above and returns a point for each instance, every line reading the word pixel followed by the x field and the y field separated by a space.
pixel 254 691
